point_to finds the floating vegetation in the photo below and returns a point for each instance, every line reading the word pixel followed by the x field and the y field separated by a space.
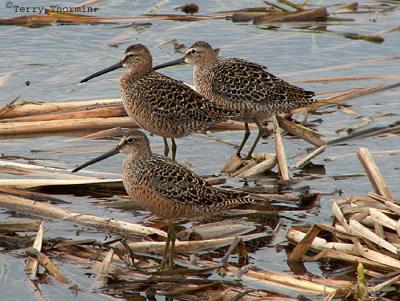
pixel 364 235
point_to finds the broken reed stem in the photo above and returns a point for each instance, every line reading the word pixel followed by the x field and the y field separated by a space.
pixel 47 264
pixel 301 248
pixel 365 233
pixel 35 183
pixel 310 156
pixel 106 112
pixel 280 151
pixel 290 281
pixel 19 226
pixel 277 7
pixel 351 94
pixel 345 66
pixel 101 278
pixel 50 211
pixel 291 4
pixel 317 13
pixel 24 109
pixel 300 131
pixel 262 278
pixel 20 128
pixel 32 262
pixel 344 78
pixel 9 106
pixel 183 246
pixel 373 173
pixel 346 252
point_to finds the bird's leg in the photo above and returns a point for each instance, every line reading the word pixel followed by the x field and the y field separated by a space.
pixel 173 239
pixel 165 255
pixel 259 135
pixel 173 149
pixel 244 140
pixel 166 147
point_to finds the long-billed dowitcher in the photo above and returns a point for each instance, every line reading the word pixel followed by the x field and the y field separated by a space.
pixel 166 188
pixel 160 104
pixel 242 85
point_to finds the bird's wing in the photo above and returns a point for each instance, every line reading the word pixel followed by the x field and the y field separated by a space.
pixel 240 80
pixel 176 182
pixel 172 99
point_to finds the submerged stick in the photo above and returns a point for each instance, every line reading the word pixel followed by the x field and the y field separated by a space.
pixel 50 211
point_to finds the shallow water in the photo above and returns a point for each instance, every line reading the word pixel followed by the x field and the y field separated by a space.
pixel 54 58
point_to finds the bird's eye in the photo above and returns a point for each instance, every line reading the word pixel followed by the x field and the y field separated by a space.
pixel 193 51
pixel 130 140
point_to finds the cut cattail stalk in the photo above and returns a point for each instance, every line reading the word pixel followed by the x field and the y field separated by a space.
pixel 310 156
pixel 280 151
pixel 373 173
pixel 32 262
pixel 101 278
pixel 50 211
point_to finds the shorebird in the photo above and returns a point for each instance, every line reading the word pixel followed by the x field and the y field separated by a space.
pixel 241 85
pixel 166 188
pixel 160 104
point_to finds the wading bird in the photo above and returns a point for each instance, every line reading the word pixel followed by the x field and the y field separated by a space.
pixel 241 85
pixel 166 188
pixel 160 104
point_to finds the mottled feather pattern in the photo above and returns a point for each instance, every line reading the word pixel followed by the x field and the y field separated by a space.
pixel 172 100
pixel 174 181
pixel 239 80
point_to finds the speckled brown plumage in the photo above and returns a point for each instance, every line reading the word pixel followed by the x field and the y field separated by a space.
pixel 166 188
pixel 168 107
pixel 242 85
pixel 160 104
pixel 169 189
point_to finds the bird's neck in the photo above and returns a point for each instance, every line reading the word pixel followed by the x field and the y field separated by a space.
pixel 139 152
pixel 205 66
pixel 134 73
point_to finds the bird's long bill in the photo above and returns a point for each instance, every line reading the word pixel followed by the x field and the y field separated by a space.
pixel 104 71
pixel 171 63
pixel 106 155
